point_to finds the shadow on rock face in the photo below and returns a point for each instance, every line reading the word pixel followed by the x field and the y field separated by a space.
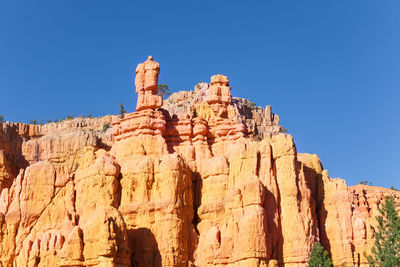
pixel 144 248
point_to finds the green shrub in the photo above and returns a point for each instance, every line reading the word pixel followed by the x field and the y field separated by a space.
pixel 283 130
pixel 164 91
pixel 365 182
pixel 386 249
pixel 393 188
pixel 319 257
pixel 106 127
pixel 122 110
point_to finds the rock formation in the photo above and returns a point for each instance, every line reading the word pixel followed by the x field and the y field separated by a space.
pixel 146 83
pixel 202 179
pixel 219 95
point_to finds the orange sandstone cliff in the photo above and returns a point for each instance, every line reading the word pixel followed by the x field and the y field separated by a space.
pixel 203 179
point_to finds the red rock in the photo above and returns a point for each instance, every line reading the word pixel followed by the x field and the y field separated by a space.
pixel 146 82
pixel 207 181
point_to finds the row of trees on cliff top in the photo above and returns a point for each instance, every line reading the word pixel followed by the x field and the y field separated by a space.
pixel 386 250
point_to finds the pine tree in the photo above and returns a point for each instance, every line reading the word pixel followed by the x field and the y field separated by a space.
pixel 164 91
pixel 319 257
pixel 122 110
pixel 386 250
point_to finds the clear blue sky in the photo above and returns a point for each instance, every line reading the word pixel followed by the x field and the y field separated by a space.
pixel 330 69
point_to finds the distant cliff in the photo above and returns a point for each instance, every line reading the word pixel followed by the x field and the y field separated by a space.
pixel 197 180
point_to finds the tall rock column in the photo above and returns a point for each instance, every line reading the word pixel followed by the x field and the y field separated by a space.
pixel 335 212
pixel 297 211
pixel 146 83
pixel 156 195
pixel 231 222
pixel 219 95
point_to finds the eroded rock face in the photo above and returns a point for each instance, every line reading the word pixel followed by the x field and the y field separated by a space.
pixel 207 180
pixel 206 102
pixel 365 202
pixel 146 83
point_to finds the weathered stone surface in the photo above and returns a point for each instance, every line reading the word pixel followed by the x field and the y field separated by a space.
pixel 204 180
pixel 146 83
pixel 259 122
pixel 219 95
pixel 366 201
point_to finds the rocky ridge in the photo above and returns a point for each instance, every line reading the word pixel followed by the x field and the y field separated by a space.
pixel 202 179
pixel 259 122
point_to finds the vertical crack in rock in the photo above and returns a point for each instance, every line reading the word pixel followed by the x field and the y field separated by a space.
pixel 196 189
pixel 119 190
pixel 76 216
pixel 36 151
pixel 279 247
pixel 258 164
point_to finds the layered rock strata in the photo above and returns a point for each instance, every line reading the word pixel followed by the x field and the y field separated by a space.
pixel 204 180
